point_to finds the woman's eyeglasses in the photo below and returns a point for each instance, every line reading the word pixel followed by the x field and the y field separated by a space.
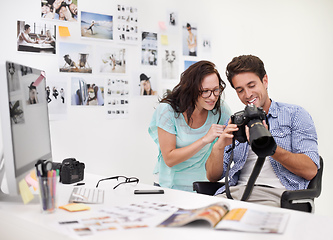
pixel 121 180
pixel 207 93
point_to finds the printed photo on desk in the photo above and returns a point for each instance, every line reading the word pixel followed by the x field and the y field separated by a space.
pixel 239 219
pixel 36 37
pixel 125 217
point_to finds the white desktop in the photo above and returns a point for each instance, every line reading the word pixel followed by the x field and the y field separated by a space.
pixel 19 221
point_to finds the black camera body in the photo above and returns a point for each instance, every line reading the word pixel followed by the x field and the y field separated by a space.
pixel 71 170
pixel 261 140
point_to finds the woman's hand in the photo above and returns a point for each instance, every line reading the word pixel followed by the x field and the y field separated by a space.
pixel 227 135
pixel 214 132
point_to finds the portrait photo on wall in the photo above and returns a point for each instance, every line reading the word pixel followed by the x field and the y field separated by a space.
pixel 126 19
pixel 190 44
pixel 75 58
pixel 87 92
pixel 149 49
pixel 170 62
pixel 112 60
pixel 94 25
pixel 145 83
pixel 63 10
pixel 36 37
pixel 32 91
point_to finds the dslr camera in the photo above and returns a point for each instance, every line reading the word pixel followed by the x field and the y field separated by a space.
pixel 261 140
pixel 70 170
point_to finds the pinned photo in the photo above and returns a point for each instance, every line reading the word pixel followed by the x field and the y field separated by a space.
pixel 63 10
pixel 189 40
pixel 36 37
pixel 95 25
pixel 74 58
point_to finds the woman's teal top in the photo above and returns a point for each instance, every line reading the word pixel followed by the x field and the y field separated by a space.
pixel 182 175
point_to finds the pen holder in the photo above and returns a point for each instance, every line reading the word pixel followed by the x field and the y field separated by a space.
pixel 47 194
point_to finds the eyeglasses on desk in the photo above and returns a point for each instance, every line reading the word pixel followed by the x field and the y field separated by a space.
pixel 121 180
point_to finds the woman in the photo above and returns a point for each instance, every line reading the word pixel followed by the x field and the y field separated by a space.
pixel 32 94
pixel 145 85
pixel 186 124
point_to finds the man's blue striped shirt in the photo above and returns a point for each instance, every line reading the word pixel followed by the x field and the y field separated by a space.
pixel 293 130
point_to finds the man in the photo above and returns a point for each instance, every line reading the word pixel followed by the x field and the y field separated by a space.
pixel 296 159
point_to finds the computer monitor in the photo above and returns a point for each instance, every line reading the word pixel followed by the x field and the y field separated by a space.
pixel 25 124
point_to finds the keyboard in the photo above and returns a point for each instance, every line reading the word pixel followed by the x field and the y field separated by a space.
pixel 87 195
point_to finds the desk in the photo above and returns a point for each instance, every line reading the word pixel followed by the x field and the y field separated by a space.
pixel 36 47
pixel 18 221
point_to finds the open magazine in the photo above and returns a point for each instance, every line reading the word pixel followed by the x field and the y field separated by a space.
pixel 239 219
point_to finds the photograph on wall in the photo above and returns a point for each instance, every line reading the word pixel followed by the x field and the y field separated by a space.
pixel 112 60
pixel 127 24
pixel 63 10
pixel 87 92
pixel 117 97
pixel 75 57
pixel 188 63
pixel 17 112
pixel 34 92
pixel 56 95
pixel 189 39
pixel 207 44
pixel 172 18
pixel 170 62
pixel 145 83
pixel 94 25
pixel 149 49
pixel 13 76
pixel 36 37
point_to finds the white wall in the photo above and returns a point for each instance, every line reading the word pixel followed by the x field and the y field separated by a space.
pixel 293 38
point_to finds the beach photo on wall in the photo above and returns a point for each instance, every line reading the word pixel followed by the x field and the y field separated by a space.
pixel 94 25
pixel 75 57
pixel 36 37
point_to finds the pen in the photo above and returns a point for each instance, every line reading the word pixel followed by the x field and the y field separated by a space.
pixel 50 189
pixel 46 193
pixel 54 185
pixel 42 190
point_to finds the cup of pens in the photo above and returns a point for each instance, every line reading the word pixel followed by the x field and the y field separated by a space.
pixel 48 191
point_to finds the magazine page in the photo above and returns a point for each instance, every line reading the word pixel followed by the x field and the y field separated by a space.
pixel 248 220
pixel 212 214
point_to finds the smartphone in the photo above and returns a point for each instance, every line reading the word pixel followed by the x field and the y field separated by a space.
pixel 155 191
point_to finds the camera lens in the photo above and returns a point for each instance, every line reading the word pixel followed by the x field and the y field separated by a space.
pixel 261 142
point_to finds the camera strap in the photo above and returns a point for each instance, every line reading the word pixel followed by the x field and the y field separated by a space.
pixel 250 183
